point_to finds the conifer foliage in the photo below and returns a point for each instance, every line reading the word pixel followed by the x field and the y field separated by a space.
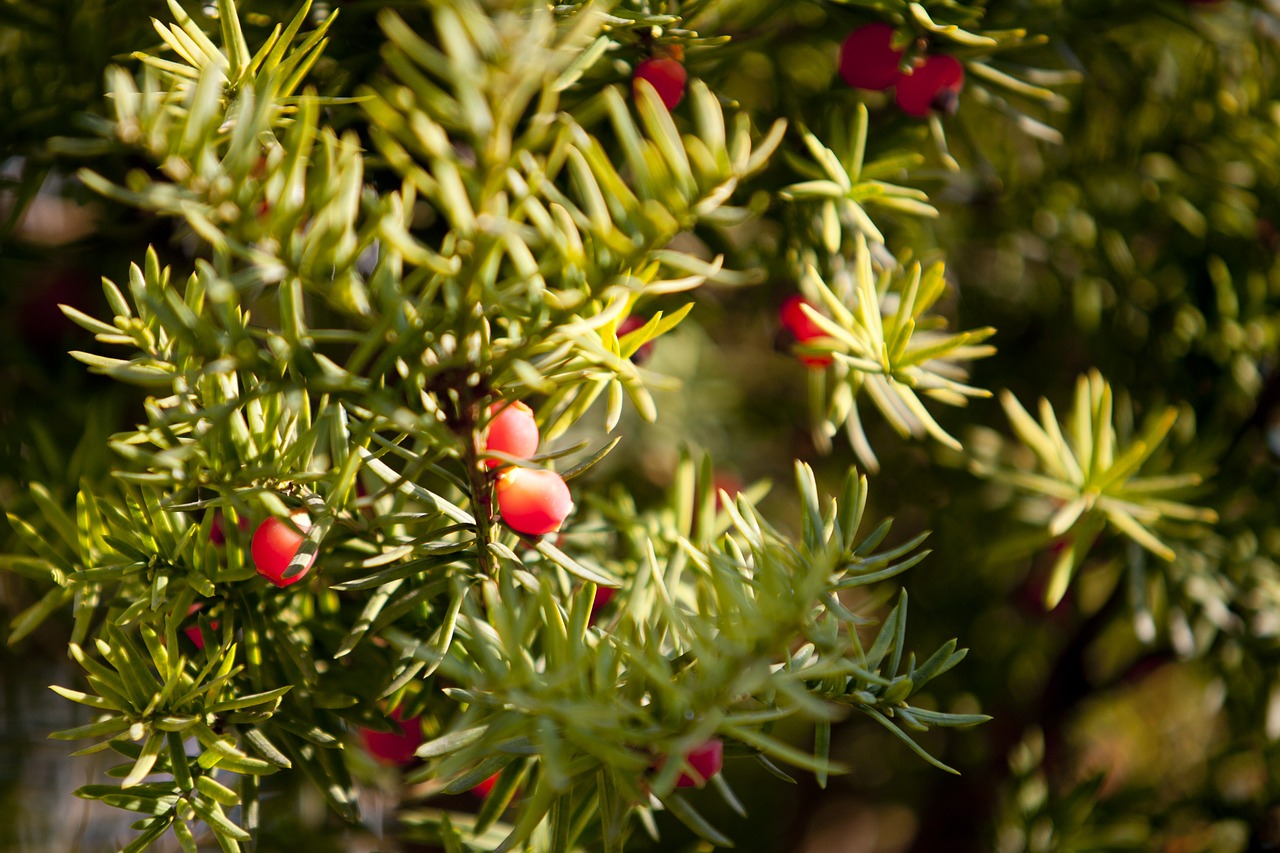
pixel 389 356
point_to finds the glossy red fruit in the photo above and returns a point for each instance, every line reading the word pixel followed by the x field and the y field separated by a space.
pixel 533 500
pixel 218 530
pixel 273 546
pixel 933 85
pixel 629 325
pixel 512 430
pixel 604 594
pixel 867 58
pixel 802 328
pixel 667 76
pixel 193 631
pixel 482 790
pixel 394 748
pixel 706 760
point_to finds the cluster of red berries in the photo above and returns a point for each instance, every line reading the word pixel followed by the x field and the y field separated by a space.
pixel 533 501
pixel 802 328
pixel 400 749
pixel 868 60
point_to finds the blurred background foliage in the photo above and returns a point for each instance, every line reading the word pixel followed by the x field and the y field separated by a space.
pixel 1141 712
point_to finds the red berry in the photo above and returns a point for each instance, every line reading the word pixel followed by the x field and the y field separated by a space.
pixel 193 632
pixel 629 325
pixel 867 58
pixel 396 748
pixel 218 532
pixel 482 790
pixel 512 430
pixel 604 594
pixel 730 484
pixel 706 760
pixel 934 85
pixel 273 546
pixel 533 500
pixel 802 328
pixel 665 75
pixel 798 323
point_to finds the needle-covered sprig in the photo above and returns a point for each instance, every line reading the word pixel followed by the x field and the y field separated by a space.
pixel 152 705
pixel 843 184
pixel 358 281
pixel 886 344
pixel 700 643
pixel 1088 474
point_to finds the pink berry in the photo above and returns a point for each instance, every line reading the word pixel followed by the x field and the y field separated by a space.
pixel 802 328
pixel 706 760
pixel 273 546
pixel 512 430
pixel 867 58
pixel 666 75
pixel 533 500
pixel 933 85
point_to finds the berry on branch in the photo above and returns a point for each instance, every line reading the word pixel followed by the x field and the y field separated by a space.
pixel 218 530
pixel 868 59
pixel 629 325
pixel 395 748
pixel 193 632
pixel 274 544
pixel 512 430
pixel 484 788
pixel 533 501
pixel 933 85
pixel 802 328
pixel 705 761
pixel 667 76
pixel 600 601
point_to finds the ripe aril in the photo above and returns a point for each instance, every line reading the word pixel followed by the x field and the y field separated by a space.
pixel 396 748
pixel 867 58
pixel 274 544
pixel 629 325
pixel 533 500
pixel 705 760
pixel 604 594
pixel 727 482
pixel 667 76
pixel 218 530
pixel 796 321
pixel 933 85
pixel 512 430
pixel 193 632
pixel 802 328
pixel 482 790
